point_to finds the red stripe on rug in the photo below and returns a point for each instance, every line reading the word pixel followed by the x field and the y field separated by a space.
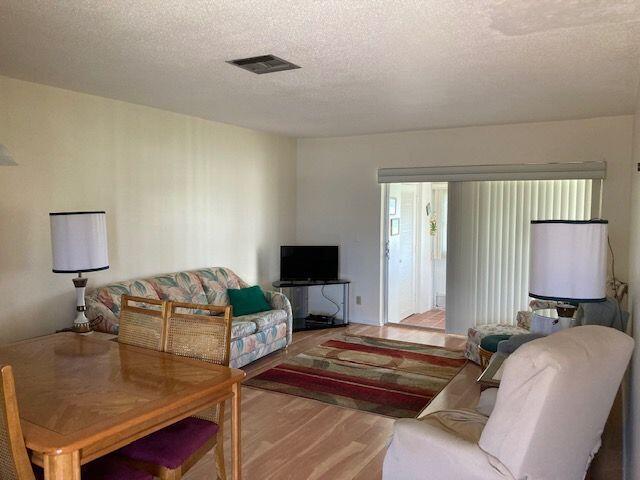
pixel 422 392
pixel 344 389
pixel 423 357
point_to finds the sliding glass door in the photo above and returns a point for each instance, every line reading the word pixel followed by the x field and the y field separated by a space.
pixel 488 243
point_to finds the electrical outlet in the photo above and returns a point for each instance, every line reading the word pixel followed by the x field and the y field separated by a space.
pixel 358 300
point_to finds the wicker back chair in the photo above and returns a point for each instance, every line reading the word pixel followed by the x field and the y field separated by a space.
pixel 14 461
pixel 207 338
pixel 200 336
pixel 143 327
pixel 204 337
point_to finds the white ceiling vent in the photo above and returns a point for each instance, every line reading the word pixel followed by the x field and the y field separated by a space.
pixel 263 64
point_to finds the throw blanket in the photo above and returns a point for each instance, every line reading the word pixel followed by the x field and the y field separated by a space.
pixel 607 314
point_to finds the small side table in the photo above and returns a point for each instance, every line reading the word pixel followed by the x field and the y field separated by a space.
pixel 304 321
pixel 492 375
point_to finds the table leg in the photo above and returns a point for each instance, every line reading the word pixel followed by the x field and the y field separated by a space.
pixel 235 432
pixel 62 467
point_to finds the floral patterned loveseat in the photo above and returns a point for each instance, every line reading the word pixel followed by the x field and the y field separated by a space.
pixel 252 336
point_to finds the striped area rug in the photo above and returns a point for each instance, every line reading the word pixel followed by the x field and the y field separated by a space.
pixel 387 377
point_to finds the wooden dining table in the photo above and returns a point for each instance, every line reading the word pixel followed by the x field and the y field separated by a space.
pixel 81 397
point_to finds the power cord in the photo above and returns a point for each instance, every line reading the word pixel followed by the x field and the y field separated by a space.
pixel 619 288
pixel 332 301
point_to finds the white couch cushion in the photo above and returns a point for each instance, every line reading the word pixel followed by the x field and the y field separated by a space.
pixel 264 320
pixel 554 398
pixel 487 401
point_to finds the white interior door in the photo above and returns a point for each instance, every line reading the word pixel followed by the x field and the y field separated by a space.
pixel 401 257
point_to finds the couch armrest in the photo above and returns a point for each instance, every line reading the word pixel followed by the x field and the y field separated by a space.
pixel 100 317
pixel 279 301
pixel 523 320
pixel 420 450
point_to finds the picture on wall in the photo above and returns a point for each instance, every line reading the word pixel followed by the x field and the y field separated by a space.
pixel 393 206
pixel 395 226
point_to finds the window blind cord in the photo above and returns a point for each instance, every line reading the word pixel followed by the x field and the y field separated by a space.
pixel 332 301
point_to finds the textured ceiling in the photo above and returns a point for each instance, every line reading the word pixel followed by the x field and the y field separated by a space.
pixel 367 65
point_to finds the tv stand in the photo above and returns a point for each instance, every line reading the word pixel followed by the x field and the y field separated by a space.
pixel 316 322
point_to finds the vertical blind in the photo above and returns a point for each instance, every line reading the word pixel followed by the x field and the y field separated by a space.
pixel 488 243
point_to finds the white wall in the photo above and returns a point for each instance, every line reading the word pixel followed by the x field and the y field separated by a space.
pixel 180 193
pixel 339 199
pixel 632 412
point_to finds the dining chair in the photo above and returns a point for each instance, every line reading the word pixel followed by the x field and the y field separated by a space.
pixel 143 322
pixel 170 452
pixel 14 460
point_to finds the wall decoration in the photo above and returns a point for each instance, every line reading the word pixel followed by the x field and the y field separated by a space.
pixel 393 206
pixel 395 226
pixel 433 225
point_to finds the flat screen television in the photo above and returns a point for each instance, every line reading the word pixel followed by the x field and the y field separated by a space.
pixel 308 262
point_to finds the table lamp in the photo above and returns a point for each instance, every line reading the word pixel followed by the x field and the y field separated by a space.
pixel 79 244
pixel 568 262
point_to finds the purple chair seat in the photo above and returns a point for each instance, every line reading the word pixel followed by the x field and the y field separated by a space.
pixel 173 445
pixel 105 468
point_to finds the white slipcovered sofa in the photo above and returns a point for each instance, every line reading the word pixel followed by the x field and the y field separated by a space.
pixel 554 399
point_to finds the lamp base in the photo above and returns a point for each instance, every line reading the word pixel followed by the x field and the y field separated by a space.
pixel 565 310
pixel 81 323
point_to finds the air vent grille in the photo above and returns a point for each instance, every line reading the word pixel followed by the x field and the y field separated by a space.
pixel 263 64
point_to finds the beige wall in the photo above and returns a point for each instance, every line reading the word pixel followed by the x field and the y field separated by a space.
pixel 339 198
pixel 632 421
pixel 180 193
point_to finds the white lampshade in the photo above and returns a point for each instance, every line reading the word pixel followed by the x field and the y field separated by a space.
pixel 568 260
pixel 79 241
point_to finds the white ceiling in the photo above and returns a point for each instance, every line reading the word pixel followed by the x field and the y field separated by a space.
pixel 367 65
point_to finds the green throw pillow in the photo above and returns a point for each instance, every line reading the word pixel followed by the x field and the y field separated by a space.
pixel 246 301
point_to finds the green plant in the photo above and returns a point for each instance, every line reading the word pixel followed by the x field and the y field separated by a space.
pixel 433 225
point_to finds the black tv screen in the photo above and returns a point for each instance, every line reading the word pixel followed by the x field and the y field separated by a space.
pixel 309 262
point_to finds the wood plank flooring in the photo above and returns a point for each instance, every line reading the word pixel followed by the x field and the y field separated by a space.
pixel 292 438
pixel 434 318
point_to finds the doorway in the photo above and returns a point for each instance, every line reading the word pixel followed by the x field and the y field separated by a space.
pixel 415 241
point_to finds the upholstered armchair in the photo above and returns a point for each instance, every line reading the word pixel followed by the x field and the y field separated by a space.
pixel 554 399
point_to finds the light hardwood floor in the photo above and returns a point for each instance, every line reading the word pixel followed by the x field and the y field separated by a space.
pixel 292 438
pixel 434 318
pixel 287 437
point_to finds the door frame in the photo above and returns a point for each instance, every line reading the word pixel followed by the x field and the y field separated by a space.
pixel 384 255
pixel 384 248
